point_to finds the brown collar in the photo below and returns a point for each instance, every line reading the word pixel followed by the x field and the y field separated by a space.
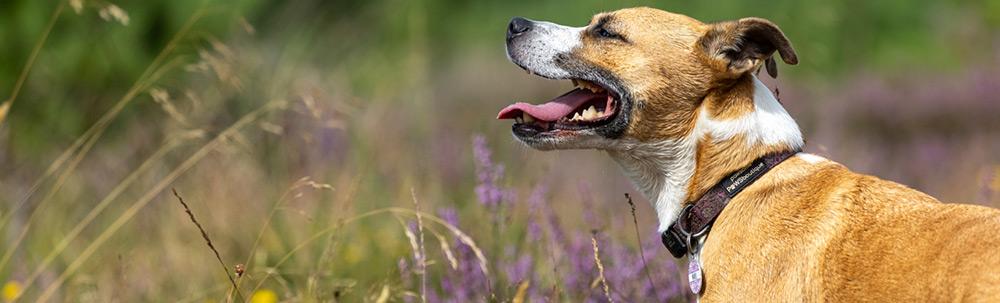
pixel 697 217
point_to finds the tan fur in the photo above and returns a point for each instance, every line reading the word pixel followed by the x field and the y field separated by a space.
pixel 669 51
pixel 819 232
pixel 804 231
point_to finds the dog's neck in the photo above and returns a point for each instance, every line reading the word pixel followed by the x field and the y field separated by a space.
pixel 732 127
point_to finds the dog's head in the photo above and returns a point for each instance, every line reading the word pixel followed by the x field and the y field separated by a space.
pixel 640 74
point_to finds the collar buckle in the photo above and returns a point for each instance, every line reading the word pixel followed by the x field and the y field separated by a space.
pixel 672 241
pixel 677 239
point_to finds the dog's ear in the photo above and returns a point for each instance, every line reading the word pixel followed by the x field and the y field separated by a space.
pixel 738 47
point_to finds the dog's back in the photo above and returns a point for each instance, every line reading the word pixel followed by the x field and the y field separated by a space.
pixel 909 246
pixel 852 237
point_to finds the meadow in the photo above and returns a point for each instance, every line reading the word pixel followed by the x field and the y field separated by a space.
pixel 318 151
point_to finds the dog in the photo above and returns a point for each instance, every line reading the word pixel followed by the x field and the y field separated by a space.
pixel 677 104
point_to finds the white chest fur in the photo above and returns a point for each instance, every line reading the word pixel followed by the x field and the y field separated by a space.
pixel 663 170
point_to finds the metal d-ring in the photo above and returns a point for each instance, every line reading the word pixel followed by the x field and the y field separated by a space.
pixel 688 236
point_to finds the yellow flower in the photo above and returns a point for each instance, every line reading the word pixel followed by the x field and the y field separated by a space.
pixel 10 291
pixel 264 296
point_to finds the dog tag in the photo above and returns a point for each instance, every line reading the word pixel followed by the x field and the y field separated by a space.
pixel 694 274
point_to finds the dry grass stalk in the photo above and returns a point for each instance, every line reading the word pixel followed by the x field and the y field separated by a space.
pixel 445 247
pixel 414 242
pixel 77 6
pixel 423 256
pixel 522 292
pixel 111 12
pixel 383 295
pixel 204 234
pixel 162 97
pixel 600 269
pixel 327 257
pixel 638 240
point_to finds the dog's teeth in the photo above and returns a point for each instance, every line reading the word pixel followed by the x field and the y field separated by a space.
pixel 527 118
pixel 576 117
pixel 590 113
pixel 518 120
pixel 575 83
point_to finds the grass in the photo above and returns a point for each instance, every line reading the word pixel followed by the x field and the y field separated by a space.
pixel 208 241
pixel 321 189
pixel 600 270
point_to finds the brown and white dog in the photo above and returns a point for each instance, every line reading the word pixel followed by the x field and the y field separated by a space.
pixel 676 103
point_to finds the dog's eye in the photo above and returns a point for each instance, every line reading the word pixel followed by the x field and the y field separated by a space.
pixel 603 32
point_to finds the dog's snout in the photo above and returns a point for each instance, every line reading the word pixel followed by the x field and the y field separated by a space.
pixel 517 27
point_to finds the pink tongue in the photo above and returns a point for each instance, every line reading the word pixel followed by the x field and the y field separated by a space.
pixel 552 110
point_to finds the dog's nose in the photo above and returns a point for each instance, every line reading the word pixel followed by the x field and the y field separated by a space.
pixel 518 26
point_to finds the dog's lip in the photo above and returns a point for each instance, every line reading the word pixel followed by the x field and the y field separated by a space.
pixel 612 89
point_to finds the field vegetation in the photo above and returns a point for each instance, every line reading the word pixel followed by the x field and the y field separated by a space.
pixel 317 151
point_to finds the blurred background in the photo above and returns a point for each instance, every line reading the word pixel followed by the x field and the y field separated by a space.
pixel 348 151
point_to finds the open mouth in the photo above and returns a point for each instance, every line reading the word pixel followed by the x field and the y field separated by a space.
pixel 587 106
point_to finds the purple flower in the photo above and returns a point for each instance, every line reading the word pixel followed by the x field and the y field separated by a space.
pixel 587 200
pixel 488 175
pixel 536 202
pixel 520 269
pixel 404 270
pixel 449 215
pixel 467 282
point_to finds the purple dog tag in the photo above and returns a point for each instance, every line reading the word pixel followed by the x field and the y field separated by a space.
pixel 694 274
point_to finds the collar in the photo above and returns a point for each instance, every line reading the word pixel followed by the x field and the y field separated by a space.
pixel 697 217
